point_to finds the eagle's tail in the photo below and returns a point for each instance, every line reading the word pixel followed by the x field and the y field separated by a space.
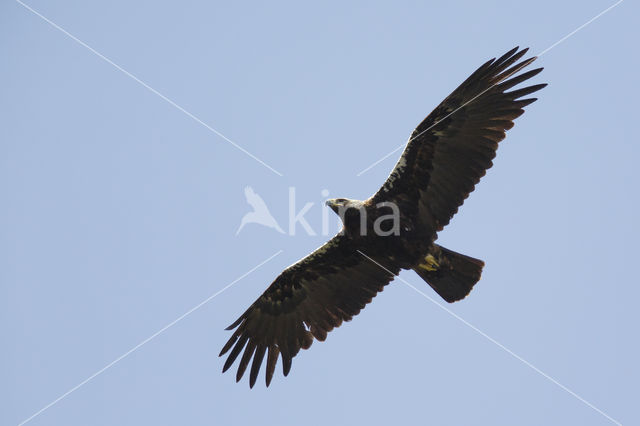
pixel 452 275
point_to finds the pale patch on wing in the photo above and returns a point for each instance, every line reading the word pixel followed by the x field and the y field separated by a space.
pixel 395 173
pixel 317 252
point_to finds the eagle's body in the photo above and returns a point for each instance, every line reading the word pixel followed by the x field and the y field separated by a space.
pixel 445 157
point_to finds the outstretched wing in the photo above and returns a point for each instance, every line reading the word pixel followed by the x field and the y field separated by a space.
pixel 452 148
pixel 306 301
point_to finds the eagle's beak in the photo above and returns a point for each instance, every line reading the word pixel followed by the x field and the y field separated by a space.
pixel 332 204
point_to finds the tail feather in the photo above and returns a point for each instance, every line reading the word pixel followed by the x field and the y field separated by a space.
pixel 452 275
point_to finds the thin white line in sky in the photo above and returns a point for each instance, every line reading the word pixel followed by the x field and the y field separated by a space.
pixel 145 341
pixel 500 345
pixel 475 97
pixel 128 74
pixel 579 28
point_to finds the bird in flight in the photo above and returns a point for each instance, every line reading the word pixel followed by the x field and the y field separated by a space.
pixel 444 159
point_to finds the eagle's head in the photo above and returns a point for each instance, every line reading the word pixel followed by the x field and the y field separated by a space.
pixel 352 213
pixel 341 204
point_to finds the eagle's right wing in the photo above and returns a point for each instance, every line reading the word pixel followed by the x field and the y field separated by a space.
pixel 306 301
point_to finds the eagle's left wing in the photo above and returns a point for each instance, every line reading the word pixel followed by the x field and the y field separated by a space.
pixel 306 301
pixel 452 148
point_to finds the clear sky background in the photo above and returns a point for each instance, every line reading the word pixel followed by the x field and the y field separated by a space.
pixel 119 211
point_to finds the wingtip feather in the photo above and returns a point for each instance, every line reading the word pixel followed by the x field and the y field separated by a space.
pixel 256 364
pixel 244 361
pixel 272 359
pixel 235 324
pixel 286 365
pixel 234 353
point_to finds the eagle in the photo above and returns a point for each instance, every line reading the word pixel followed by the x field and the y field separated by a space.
pixel 444 158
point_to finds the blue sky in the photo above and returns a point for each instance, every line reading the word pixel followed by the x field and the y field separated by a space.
pixel 120 211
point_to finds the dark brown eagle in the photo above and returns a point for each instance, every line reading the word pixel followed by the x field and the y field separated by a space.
pixel 444 159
